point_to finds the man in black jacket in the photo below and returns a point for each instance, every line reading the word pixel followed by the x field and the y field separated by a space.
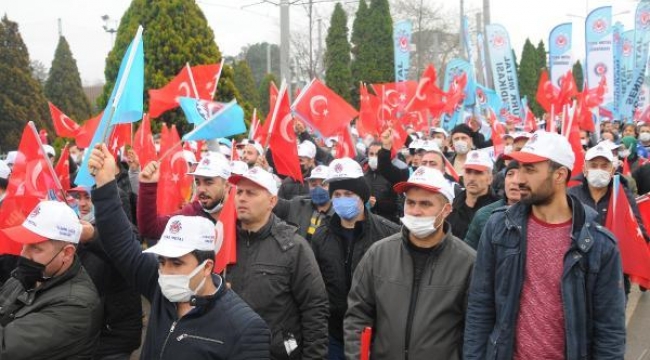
pixel 276 273
pixel 193 313
pixel 340 243
pixel 291 188
pixel 383 200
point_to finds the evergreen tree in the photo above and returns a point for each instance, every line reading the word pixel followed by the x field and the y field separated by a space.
pixel 175 32
pixel 360 37
pixel 578 75
pixel 263 107
pixel 381 62
pixel 528 75
pixel 63 86
pixel 21 96
pixel 542 57
pixel 245 83
pixel 256 56
pixel 337 54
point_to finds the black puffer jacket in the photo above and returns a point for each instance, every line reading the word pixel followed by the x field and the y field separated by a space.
pixel 337 262
pixel 386 198
pixel 221 326
pixel 277 275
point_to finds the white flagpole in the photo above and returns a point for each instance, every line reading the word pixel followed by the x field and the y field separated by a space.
pixel 189 73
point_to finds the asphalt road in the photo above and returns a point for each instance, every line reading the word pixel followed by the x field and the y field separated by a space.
pixel 637 318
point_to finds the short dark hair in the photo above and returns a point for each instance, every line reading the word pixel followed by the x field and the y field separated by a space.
pixel 556 166
pixel 4 183
pixel 202 255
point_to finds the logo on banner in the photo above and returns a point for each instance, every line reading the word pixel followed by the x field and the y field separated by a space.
pixel 626 48
pixel 644 20
pixel 600 69
pixel 480 96
pixel 599 26
pixel 561 41
pixel 403 42
pixel 498 41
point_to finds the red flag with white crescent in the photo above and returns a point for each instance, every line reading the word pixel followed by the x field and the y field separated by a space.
pixel 62 168
pixel 63 125
pixel 283 138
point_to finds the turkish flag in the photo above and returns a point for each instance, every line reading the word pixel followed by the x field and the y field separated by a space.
pixel 84 136
pixel 120 136
pixel 643 202
pixel 63 125
pixel 366 342
pixel 173 181
pixel 368 106
pixel 62 168
pixel 626 168
pixel 635 253
pixel 324 109
pixel 546 92
pixel 227 234
pixel 283 139
pixel 396 95
pixel 426 91
pixel 344 145
pixel 573 135
pixel 273 95
pixel 166 98
pixel 417 119
pixel 568 89
pixel 206 78
pixel 143 144
pixel 498 130
pixel 456 94
pixel 32 179
pixel 530 124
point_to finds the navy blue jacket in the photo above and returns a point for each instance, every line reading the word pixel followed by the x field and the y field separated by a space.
pixel 220 326
pixel 592 288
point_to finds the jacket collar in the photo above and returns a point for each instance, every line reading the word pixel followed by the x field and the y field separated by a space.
pixel 446 229
pixel 28 297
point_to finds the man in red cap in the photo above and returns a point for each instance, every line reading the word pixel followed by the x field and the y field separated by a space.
pixel 49 308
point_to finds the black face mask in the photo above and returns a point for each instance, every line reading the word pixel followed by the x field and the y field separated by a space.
pixel 29 272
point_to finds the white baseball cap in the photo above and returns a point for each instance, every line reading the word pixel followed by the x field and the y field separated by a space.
pixel 11 157
pixel 254 144
pixel 189 156
pixel 238 167
pixel 610 145
pixel 343 169
pixel 416 144
pixel 521 135
pixel 49 150
pixel 184 234
pixel 330 141
pixel 258 176
pixel 600 150
pixel 479 161
pixel 5 171
pixel 439 130
pixel 212 165
pixel 544 146
pixel 427 146
pixel 225 151
pixel 429 179
pixel 307 149
pixel 319 172
pixel 50 220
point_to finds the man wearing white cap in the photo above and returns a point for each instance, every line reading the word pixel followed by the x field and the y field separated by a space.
pixel 49 308
pixel 548 280
pixel 308 212
pixel 477 194
pixel 252 153
pixel 276 273
pixel 340 243
pixel 5 171
pixel 411 287
pixel 291 188
pixel 194 314
pixel 210 178
pixel 11 158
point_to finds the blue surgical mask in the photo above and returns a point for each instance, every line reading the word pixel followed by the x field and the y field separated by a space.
pixel 319 196
pixel 346 207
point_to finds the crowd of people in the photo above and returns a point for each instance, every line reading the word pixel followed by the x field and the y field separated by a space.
pixel 443 249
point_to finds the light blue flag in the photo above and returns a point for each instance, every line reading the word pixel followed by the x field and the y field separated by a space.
pixel 197 111
pixel 228 121
pixel 627 60
pixel 402 48
pixel 488 98
pixel 125 104
pixel 456 67
pixel 617 53
pixel 599 43
pixel 504 72
pixel 560 41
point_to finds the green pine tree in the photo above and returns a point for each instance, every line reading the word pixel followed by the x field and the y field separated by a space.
pixel 578 75
pixel 337 54
pixel 381 62
pixel 256 56
pixel 528 75
pixel 360 38
pixel 245 83
pixel 21 96
pixel 63 86
pixel 263 107
pixel 175 32
pixel 542 57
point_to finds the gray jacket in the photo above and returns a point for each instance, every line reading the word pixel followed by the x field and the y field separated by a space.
pixel 59 320
pixel 277 275
pixel 382 293
pixel 298 212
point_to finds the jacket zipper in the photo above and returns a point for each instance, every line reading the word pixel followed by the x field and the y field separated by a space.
pixel 171 330
pixel 188 336
pixel 413 304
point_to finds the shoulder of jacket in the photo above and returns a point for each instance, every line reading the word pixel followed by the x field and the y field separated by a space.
pixel 607 235
pixel 286 235
pixel 384 222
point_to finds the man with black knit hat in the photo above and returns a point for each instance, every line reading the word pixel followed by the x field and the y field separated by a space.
pixel 340 243
pixel 462 138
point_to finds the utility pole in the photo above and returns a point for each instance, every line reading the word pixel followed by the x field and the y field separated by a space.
pixel 461 38
pixel 285 71
pixel 311 46
pixel 320 42
pixel 486 21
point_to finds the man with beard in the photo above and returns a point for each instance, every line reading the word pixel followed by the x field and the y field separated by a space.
pixel 291 188
pixel 210 178
pixel 548 282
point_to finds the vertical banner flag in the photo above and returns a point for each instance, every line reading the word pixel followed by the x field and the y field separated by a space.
pixel 504 71
pixel 618 89
pixel 642 32
pixel 402 45
pixel 559 49
pixel 626 57
pixel 468 41
pixel 454 69
pixel 600 51
pixel 481 53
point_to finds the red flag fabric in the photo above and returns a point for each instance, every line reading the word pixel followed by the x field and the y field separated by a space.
pixel 85 134
pixel 530 124
pixel 227 234
pixel 396 95
pixel 273 95
pixel 366 340
pixel 367 121
pixel 635 253
pixel 283 139
pixel 643 204
pixel 546 92
pixel 568 89
pixel 573 135
pixel 426 91
pixel 344 145
pixel 120 136
pixel 143 144
pixel 626 168
pixel 456 94
pixel 43 136
pixel 63 125
pixel 165 98
pixel 62 168
pixel 498 130
pixel 324 109
pixel 32 179
pixel 206 78
pixel 173 168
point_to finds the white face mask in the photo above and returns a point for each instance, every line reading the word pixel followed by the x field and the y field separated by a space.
pixel 507 149
pixel 623 154
pixel 598 178
pixel 461 147
pixel 438 142
pixel 421 226
pixel 584 142
pixel 157 147
pixel 333 152
pixel 616 163
pixel 372 162
pixel 176 288
pixel 644 137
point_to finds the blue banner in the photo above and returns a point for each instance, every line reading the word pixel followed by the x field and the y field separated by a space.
pixel 618 87
pixel 560 41
pixel 599 44
pixel 627 59
pixel 504 71
pixel 642 31
pixel 468 40
pixel 228 121
pixel 456 67
pixel 402 45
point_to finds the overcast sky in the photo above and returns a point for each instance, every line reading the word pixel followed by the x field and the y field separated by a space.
pixel 235 27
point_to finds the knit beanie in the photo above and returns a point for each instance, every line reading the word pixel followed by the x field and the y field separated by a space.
pixel 358 186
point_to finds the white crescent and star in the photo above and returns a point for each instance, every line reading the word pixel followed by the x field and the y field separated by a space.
pixel 314 102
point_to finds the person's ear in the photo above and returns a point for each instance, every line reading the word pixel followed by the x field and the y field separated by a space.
pixel 209 266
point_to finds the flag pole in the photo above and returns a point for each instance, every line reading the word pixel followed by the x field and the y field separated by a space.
pixel 216 81
pixel 191 76
pixel 276 109
pixel 252 131
pixel 57 182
